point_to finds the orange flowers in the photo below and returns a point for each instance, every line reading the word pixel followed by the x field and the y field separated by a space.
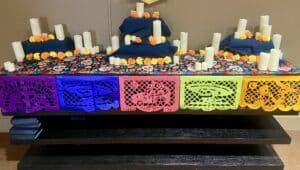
pixel 147 15
pixel 45 55
pixel 191 52
pixel 41 38
pixel 61 55
pixel 155 15
pixel 152 40
pixel 147 61
pixel 131 61
pixel 134 14
pixel 161 61
pixel 138 40
pixel 29 56
pixel 77 52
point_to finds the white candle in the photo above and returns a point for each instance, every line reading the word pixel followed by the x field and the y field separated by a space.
pixel 87 39
pixel 216 41
pixel 109 50
pixel 78 41
pixel 140 9
pixel 267 30
pixel 157 31
pixel 59 31
pixel 237 35
pixel 176 43
pixel 97 49
pixel 127 40
pixel 204 66
pixel 274 60
pixel 209 56
pixel 198 66
pixel 277 41
pixel 117 61
pixel 18 50
pixel 263 61
pixel 9 66
pixel 242 25
pixel 184 42
pixel 176 59
pixel 264 20
pixel 133 38
pixel 112 60
pixel 35 27
pixel 115 42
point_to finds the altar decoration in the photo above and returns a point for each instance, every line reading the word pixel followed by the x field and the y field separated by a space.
pixel 210 93
pixel 271 93
pixel 28 94
pixel 88 93
pixel 149 94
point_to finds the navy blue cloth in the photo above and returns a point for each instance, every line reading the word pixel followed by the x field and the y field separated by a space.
pixel 142 27
pixel 51 45
pixel 245 47
pixel 145 50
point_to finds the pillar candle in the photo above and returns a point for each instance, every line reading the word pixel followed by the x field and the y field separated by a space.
pixel 115 42
pixel 127 40
pixel 9 66
pixel 176 59
pixel 87 39
pixel 78 41
pixel 176 43
pixel 277 41
pixel 274 60
pixel 184 42
pixel 204 66
pixel 59 31
pixel 264 20
pixel 35 27
pixel 198 66
pixel 109 50
pixel 112 60
pixel 267 30
pixel 97 49
pixel 263 61
pixel 157 31
pixel 216 41
pixel 242 25
pixel 140 9
pixel 209 56
pixel 117 61
pixel 18 50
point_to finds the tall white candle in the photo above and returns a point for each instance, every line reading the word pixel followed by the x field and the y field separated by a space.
pixel 35 27
pixel 274 60
pixel 9 66
pixel 140 9
pixel 78 41
pixel 109 50
pixel 216 41
pixel 127 40
pixel 198 66
pixel 209 56
pixel 59 31
pixel 264 20
pixel 18 50
pixel 87 39
pixel 204 66
pixel 277 41
pixel 157 31
pixel 263 61
pixel 242 26
pixel 115 42
pixel 176 59
pixel 184 42
pixel 267 30
pixel 176 43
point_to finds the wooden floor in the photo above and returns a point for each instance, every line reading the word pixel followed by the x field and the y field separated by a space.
pixel 10 154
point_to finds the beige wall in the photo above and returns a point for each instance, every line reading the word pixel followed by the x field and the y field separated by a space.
pixel 199 17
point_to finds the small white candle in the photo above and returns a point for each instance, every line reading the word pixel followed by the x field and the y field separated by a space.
pixel 216 41
pixel 18 50
pixel 277 41
pixel 157 31
pixel 97 49
pixel 115 42
pixel 9 66
pixel 35 27
pixel 184 42
pixel 267 30
pixel 133 38
pixel 176 59
pixel 237 35
pixel 209 56
pixel 127 40
pixel 198 66
pixel 140 9
pixel 78 41
pixel 112 60
pixel 274 60
pixel 87 39
pixel 264 20
pixel 176 43
pixel 242 26
pixel 263 61
pixel 117 61
pixel 204 66
pixel 59 31
pixel 109 50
